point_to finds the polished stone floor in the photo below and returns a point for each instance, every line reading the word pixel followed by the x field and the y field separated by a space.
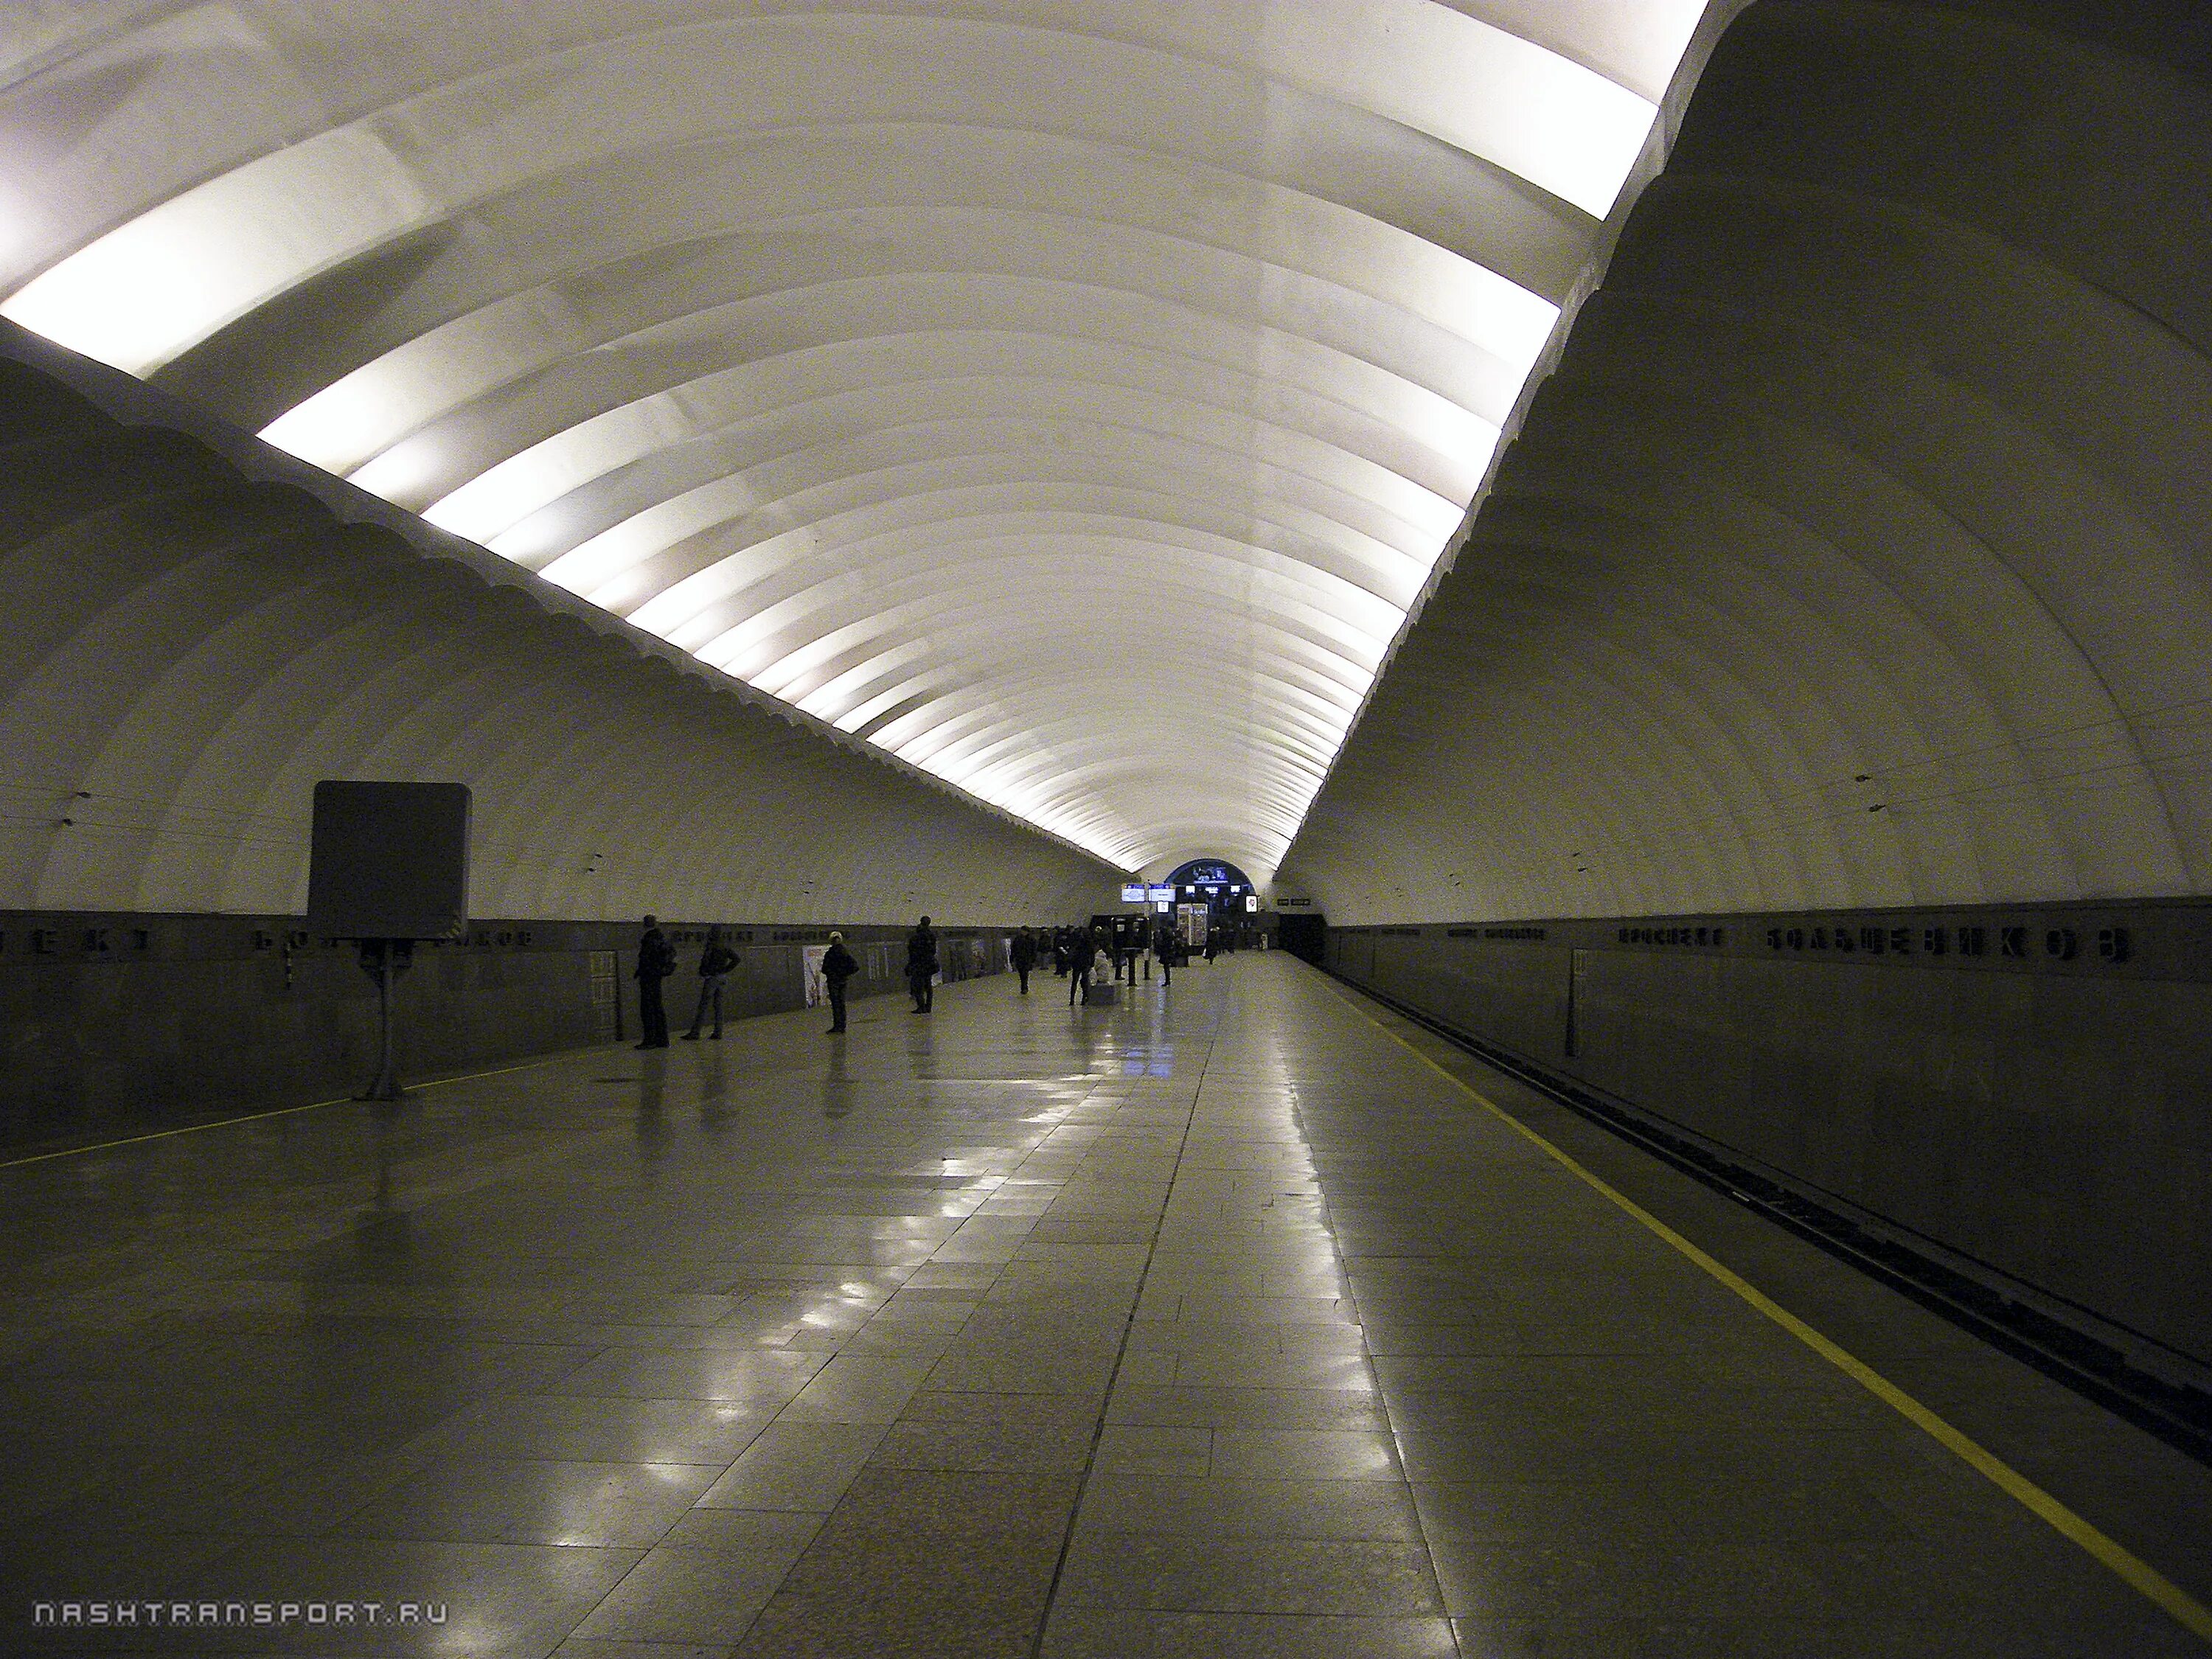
pixel 1216 1323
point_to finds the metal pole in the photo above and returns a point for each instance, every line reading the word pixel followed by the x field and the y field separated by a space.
pixel 382 960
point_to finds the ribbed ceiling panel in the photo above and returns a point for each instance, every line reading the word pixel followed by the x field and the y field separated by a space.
pixel 1071 399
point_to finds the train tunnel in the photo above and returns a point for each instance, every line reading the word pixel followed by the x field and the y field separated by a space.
pixel 1665 545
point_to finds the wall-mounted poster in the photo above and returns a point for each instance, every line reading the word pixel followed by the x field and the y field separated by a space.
pixel 811 956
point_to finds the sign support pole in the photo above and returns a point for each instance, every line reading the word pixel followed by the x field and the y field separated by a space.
pixel 384 960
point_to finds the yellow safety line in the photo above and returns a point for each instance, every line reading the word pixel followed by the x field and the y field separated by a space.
pixel 255 1117
pixel 2171 1598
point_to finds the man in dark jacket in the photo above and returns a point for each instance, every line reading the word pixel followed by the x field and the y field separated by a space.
pixel 1081 949
pixel 1024 956
pixel 656 960
pixel 922 965
pixel 837 966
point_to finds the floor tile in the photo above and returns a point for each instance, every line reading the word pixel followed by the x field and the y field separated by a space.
pixel 798 1466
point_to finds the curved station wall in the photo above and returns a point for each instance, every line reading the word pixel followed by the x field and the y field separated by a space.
pixel 1810 735
pixel 201 629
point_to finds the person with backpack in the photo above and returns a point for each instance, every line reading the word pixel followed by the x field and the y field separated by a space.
pixel 838 965
pixel 656 960
pixel 715 961
pixel 922 965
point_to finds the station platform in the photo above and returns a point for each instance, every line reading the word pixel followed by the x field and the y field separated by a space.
pixel 1238 1319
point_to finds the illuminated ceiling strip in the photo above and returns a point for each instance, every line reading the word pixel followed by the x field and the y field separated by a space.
pixel 258 230
pixel 143 293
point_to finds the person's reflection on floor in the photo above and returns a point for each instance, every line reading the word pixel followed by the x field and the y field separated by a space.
pixel 836 1085
pixel 384 1238
pixel 713 1093
pixel 651 1121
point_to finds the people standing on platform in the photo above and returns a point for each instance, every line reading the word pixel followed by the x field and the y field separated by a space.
pixel 656 960
pixel 1024 954
pixel 838 965
pixel 1165 943
pixel 715 961
pixel 922 965
pixel 1060 951
pixel 1212 943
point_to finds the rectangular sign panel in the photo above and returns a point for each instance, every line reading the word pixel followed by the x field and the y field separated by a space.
pixel 1133 893
pixel 389 861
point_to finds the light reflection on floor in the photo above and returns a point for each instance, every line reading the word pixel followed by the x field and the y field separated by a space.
pixel 1209 1323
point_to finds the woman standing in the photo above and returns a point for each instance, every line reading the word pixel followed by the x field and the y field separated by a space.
pixel 715 962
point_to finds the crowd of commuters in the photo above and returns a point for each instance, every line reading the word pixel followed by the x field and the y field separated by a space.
pixel 1085 955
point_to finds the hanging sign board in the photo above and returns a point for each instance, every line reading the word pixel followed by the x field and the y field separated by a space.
pixel 389 861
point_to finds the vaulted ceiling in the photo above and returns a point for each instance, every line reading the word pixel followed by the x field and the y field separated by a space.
pixel 1858 550
pixel 1070 397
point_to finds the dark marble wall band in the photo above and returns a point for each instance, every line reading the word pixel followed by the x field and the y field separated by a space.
pixel 134 1019
pixel 2046 1114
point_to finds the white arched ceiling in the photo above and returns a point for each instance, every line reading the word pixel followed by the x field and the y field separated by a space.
pixel 1070 397
pixel 192 645
pixel 1858 550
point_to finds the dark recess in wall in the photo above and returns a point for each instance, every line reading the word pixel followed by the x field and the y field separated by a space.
pixel 1305 936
